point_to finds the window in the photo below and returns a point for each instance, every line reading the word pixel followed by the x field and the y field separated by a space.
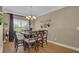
pixel 20 25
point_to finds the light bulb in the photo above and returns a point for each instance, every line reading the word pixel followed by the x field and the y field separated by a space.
pixel 29 16
pixel 34 17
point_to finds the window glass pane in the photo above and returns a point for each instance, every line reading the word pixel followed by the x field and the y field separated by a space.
pixel 20 25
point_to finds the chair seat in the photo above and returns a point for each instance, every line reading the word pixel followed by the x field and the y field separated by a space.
pixel 20 41
pixel 20 36
pixel 44 36
pixel 39 38
pixel 20 45
pixel 29 41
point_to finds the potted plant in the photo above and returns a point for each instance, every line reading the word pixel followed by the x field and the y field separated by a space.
pixel 1 18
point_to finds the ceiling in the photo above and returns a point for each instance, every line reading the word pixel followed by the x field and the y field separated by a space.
pixel 26 10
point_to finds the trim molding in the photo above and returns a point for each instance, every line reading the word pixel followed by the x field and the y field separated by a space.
pixel 63 45
pixel 52 10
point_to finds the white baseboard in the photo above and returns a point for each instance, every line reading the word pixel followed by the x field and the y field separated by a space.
pixel 67 46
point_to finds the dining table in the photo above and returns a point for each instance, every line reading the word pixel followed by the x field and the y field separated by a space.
pixel 28 34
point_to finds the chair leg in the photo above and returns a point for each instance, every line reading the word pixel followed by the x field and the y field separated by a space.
pixel 15 45
pixel 46 41
pixel 36 49
pixel 24 46
pixel 29 48
pixel 36 46
pixel 42 43
pixel 16 48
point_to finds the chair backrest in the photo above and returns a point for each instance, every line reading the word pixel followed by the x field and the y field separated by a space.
pixel 16 40
pixel 40 34
pixel 45 33
pixel 37 32
pixel 19 36
pixel 34 33
pixel 24 33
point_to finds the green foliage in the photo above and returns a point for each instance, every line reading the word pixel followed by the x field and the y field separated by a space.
pixel 17 28
pixel 2 20
pixel 20 27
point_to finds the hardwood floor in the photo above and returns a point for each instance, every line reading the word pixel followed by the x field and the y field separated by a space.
pixel 50 48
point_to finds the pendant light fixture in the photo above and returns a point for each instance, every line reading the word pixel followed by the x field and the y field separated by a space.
pixel 31 17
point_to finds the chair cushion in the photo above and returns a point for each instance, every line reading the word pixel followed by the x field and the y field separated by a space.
pixel 29 41
pixel 19 36
pixel 39 38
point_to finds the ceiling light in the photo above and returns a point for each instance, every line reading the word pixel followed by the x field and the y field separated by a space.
pixel 31 17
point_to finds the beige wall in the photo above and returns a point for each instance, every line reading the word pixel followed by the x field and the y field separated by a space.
pixel 63 26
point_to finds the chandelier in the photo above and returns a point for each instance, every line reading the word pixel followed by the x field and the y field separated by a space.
pixel 31 17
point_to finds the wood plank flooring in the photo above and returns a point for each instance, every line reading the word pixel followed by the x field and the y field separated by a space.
pixel 50 48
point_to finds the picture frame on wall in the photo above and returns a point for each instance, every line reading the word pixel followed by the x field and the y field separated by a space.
pixel 45 26
pixel 41 26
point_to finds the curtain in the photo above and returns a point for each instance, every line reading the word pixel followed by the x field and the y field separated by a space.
pixel 11 36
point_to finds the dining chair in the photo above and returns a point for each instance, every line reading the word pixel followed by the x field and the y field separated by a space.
pixel 40 37
pixel 45 34
pixel 19 40
pixel 31 42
